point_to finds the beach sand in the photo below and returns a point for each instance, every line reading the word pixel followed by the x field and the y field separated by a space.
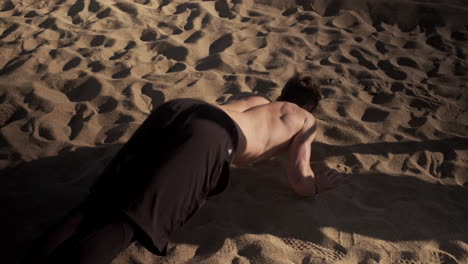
pixel 78 77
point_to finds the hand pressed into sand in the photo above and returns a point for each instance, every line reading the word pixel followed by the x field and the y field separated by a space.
pixel 301 178
pixel 328 179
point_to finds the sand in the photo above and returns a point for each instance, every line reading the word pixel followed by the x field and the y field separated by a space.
pixel 78 77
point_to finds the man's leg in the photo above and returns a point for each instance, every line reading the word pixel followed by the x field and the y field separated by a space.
pixel 55 236
pixel 96 242
pixel 83 237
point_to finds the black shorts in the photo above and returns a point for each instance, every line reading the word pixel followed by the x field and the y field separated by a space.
pixel 177 158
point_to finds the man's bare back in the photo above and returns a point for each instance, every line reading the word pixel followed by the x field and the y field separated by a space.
pixel 265 128
pixel 270 128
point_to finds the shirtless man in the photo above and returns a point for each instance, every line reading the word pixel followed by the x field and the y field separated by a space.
pixel 271 128
pixel 178 158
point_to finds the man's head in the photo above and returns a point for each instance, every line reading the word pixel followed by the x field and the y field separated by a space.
pixel 303 91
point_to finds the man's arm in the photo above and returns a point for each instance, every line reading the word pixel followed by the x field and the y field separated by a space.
pixel 301 178
pixel 300 175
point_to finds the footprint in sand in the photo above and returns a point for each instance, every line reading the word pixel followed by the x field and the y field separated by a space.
pixel 408 62
pixel 391 71
pixel 174 30
pixel 397 87
pixel 123 119
pixel 125 72
pixel 127 8
pixel 417 121
pixel 194 13
pixel 361 60
pixel 425 161
pixel 310 30
pixel 305 17
pixel 148 34
pixel 221 44
pixel 113 134
pixel 459 69
pixel 37 102
pixel 106 104
pixel 194 37
pixel 231 86
pixel 178 67
pixel 345 21
pixel 223 9
pixel 103 14
pixel 76 123
pixel 45 131
pixel 6 113
pixel 119 54
pixel 96 66
pixel 323 252
pixel 436 41
pixel 289 11
pixel 434 72
pixel 421 104
pixel 382 98
pixel 426 256
pixel 54 53
pixel 276 61
pixel 157 97
pixel 260 85
pixel 82 90
pixel 178 53
pixel 14 64
pixel 338 135
pixel 251 251
pixel 9 30
pixel 97 41
pixel 94 6
pixel 72 64
pixel 341 110
pixel 373 115
pixel 7 6
pixel 209 62
pixel 380 46
pixel 74 10
pixel 7 116
pixel 412 45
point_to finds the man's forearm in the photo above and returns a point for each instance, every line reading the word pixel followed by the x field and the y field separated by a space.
pixel 302 181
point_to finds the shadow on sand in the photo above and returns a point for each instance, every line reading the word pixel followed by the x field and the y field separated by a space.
pixel 388 207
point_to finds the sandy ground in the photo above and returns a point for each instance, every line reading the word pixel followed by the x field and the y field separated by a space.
pixel 78 77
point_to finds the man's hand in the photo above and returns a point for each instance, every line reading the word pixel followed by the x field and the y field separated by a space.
pixel 328 179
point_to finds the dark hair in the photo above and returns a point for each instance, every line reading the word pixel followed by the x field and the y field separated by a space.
pixel 303 91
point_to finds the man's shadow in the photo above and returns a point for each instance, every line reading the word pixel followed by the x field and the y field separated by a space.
pixel 390 207
pixel 35 195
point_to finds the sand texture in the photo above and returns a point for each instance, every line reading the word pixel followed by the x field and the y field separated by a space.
pixel 77 77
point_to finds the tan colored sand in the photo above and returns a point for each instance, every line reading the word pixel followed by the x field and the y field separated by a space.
pixel 78 77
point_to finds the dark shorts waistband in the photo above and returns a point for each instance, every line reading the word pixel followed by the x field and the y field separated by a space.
pixel 207 111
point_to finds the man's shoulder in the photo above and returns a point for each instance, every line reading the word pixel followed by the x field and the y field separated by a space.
pixel 249 96
pixel 293 108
